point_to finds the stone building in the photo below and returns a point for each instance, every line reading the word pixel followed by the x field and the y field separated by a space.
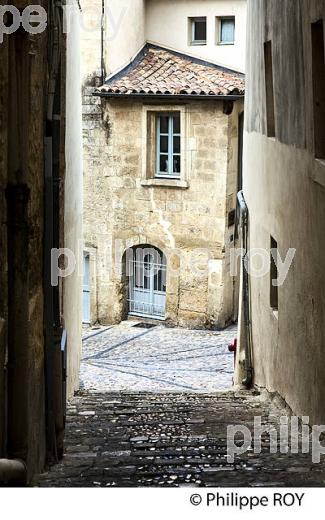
pixel 40 209
pixel 284 180
pixel 161 149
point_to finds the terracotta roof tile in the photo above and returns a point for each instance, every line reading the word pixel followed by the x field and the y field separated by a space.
pixel 157 71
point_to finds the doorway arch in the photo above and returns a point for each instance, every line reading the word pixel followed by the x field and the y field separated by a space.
pixel 146 272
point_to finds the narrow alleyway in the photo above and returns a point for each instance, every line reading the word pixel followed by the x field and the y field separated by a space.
pixel 133 424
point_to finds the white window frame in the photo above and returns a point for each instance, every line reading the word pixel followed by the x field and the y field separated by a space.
pixel 170 174
pixel 220 20
pixel 192 22
pixel 149 157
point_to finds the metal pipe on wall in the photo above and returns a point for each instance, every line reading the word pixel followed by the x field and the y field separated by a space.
pixel 244 226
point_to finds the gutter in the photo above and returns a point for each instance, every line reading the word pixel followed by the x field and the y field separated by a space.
pixel 205 97
pixel 244 226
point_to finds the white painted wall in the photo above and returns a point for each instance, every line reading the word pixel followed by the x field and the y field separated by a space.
pixel 284 185
pixel 124 32
pixel 129 24
pixel 167 25
pixel 72 285
pixel 91 38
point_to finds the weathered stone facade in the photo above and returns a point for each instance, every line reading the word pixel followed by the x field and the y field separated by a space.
pixel 39 188
pixel 124 208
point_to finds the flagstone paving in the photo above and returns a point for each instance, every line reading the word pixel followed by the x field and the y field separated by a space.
pixel 159 359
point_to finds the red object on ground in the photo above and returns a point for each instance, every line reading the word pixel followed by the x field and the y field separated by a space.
pixel 233 346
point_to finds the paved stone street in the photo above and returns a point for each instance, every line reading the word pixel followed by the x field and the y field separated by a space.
pixel 159 359
pixel 151 413
pixel 172 440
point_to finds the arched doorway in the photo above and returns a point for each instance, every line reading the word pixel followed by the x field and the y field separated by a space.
pixel 146 268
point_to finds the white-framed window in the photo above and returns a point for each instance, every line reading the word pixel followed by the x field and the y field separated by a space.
pixel 167 148
pixel 168 145
pixel 198 31
pixel 226 28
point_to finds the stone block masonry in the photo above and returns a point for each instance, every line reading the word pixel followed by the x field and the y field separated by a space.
pixel 118 207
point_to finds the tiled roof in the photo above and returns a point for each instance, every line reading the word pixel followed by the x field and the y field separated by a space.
pixel 157 71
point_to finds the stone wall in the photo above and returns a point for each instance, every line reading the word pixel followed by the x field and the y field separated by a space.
pixel 21 275
pixel 123 209
pixel 26 325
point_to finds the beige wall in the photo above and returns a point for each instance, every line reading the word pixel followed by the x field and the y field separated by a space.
pixel 73 193
pixel 130 23
pixel 124 32
pixel 167 25
pixel 91 39
pixel 284 189
pixel 123 209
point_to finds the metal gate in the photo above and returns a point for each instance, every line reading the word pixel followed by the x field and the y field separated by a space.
pixel 86 291
pixel 146 269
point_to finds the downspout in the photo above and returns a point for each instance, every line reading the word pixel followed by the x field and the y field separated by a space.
pixel 102 58
pixel 244 226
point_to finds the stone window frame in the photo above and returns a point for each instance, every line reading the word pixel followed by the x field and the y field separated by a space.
pixel 149 156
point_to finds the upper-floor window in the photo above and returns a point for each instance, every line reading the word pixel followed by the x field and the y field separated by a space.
pixel 318 76
pixel 274 275
pixel 168 145
pixel 226 30
pixel 269 89
pixel 198 31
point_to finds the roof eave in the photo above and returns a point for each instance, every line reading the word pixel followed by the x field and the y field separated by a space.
pixel 229 97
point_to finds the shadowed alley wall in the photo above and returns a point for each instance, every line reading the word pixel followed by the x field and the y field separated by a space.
pixel 284 187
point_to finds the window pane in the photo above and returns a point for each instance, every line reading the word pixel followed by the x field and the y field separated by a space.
pixel 163 165
pixel 160 283
pixel 177 164
pixel 164 124
pixel 227 31
pixel 177 145
pixel 147 271
pixel 164 144
pixel 200 30
pixel 177 124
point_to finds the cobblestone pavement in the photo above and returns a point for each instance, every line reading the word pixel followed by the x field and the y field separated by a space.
pixel 159 359
pixel 171 440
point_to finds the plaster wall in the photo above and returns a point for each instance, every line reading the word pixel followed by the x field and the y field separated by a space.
pixel 284 186
pixel 73 196
pixel 91 39
pixel 124 32
pixel 167 25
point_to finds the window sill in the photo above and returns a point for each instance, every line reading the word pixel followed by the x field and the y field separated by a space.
pixel 194 44
pixel 318 172
pixel 225 43
pixel 165 183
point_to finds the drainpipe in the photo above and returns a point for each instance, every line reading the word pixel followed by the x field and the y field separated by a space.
pixel 244 226
pixel 13 472
pixel 102 57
